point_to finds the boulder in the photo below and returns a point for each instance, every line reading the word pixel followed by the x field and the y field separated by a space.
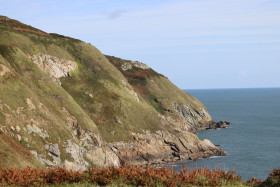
pixel 54 150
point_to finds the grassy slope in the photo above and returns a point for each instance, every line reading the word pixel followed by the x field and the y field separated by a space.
pixel 13 154
pixel 111 98
pixel 113 111
pixel 95 75
pixel 156 89
pixel 24 80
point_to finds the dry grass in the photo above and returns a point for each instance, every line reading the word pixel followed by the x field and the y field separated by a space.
pixel 129 175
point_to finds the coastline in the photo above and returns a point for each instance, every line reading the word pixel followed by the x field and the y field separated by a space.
pixel 164 147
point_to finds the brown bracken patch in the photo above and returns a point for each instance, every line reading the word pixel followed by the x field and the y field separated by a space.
pixel 128 175
pixel 143 91
pixel 31 31
pixel 14 147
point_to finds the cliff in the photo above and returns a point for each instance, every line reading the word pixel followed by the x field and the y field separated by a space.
pixel 63 103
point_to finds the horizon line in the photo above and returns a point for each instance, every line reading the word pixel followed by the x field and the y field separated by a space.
pixel 228 88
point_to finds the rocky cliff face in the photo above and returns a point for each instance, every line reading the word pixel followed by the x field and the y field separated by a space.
pixel 64 104
pixel 54 66
pixel 192 116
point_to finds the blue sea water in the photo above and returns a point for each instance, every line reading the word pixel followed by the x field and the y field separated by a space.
pixel 252 142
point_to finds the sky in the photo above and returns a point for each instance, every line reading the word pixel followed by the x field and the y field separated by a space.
pixel 197 44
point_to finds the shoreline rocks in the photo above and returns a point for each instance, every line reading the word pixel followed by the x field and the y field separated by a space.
pixel 213 125
pixel 162 146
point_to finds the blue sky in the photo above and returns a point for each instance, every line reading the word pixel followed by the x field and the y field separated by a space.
pixel 195 43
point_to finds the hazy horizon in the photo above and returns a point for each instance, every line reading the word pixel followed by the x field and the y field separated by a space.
pixel 197 44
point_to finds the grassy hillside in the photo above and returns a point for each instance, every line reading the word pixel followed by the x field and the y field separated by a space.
pixel 95 75
pixel 70 117
pixel 158 91
pixel 29 97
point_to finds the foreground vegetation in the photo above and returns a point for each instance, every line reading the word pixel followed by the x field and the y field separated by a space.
pixel 129 175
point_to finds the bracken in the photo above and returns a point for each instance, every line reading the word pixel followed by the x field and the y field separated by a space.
pixel 128 175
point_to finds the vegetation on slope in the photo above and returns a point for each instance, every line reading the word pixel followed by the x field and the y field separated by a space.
pixel 139 79
pixel 29 97
pixel 157 90
pixel 110 100
pixel 129 175
pixel 273 180
pixel 17 154
pixel 150 84
pixel 93 96
pixel 96 97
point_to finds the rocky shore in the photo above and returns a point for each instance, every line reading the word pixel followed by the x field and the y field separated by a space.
pixel 213 125
pixel 163 147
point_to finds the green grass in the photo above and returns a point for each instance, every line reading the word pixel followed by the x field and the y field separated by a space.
pixel 95 75
pixel 26 80
pixel 7 51
pixel 152 86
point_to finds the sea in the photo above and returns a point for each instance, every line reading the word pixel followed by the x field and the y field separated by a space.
pixel 252 142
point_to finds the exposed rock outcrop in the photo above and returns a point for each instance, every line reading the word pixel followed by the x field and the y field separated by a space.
pixel 91 146
pixel 34 129
pixel 3 70
pixel 77 153
pixel 163 147
pixel 54 150
pixel 213 125
pixel 129 65
pixel 198 120
pixel 4 18
pixel 55 162
pixel 54 66
pixel 84 149
pixel 192 116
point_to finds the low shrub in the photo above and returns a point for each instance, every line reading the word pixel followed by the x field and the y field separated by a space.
pixel 273 179
pixel 128 175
